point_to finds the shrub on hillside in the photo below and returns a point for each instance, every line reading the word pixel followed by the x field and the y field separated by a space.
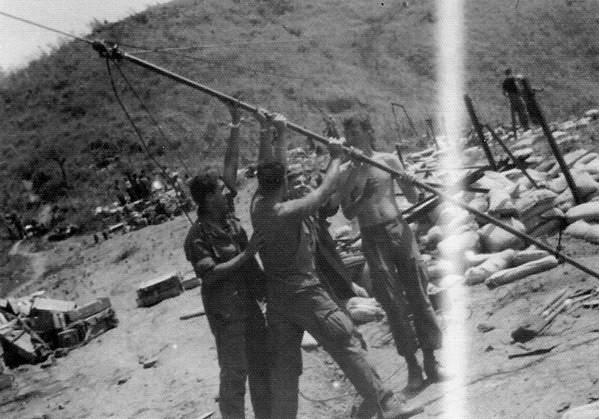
pixel 52 190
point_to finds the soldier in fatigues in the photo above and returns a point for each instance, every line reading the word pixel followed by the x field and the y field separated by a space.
pixel 297 300
pixel 218 248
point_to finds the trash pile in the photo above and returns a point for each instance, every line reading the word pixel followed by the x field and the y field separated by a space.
pixel 34 328
pixel 534 200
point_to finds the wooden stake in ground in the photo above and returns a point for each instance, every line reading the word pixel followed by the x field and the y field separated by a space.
pixel 535 109
pixel 479 131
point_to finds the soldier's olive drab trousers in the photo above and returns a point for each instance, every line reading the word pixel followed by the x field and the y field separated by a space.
pixel 312 309
pixel 518 108
pixel 234 339
pixel 399 281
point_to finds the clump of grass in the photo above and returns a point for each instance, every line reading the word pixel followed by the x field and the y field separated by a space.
pixel 58 266
pixel 127 252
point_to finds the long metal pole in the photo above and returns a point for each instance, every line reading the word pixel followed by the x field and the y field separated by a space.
pixel 113 53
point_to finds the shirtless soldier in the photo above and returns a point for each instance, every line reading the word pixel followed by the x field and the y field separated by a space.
pixel 398 273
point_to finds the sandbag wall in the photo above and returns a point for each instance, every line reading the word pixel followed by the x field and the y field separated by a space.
pixel 485 253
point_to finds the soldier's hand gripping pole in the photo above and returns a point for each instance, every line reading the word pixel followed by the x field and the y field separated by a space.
pixel 113 52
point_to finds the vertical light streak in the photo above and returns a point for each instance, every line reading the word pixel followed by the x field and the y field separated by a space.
pixel 450 120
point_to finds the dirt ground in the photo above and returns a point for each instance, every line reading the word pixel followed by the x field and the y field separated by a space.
pixel 106 378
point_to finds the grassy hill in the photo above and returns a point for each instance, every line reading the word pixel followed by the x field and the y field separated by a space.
pixel 63 132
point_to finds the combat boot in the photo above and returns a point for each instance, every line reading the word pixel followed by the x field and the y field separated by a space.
pixel 368 407
pixel 435 373
pixel 415 379
pixel 393 407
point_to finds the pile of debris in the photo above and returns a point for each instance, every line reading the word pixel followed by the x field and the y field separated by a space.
pixel 34 328
pixel 139 214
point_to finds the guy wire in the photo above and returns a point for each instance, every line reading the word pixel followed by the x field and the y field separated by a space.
pixel 141 139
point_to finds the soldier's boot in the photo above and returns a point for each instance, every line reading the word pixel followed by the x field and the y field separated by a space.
pixel 394 407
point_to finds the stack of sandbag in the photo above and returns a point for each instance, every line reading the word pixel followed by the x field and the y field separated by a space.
pixel 588 212
pixel 495 239
pixel 454 233
pixel 587 187
pixel 510 275
pixel 499 268
pixel 584 231
pixel 364 310
pixel 537 211
pixel 502 191
pixel 494 262
pixel 507 266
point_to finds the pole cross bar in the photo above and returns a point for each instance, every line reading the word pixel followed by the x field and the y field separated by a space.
pixel 114 53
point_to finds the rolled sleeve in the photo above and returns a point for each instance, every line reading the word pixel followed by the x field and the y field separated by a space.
pixel 204 265
pixel 197 252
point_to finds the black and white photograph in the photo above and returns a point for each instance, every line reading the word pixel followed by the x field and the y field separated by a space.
pixel 285 209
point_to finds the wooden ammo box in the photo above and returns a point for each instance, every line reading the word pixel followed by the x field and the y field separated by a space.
pixel 88 309
pixel 155 290
pixel 47 314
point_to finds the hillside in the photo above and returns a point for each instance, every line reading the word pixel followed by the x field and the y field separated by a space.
pixel 303 59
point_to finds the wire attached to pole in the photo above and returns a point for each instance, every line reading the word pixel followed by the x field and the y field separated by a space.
pixel 145 108
pixel 39 25
pixel 141 139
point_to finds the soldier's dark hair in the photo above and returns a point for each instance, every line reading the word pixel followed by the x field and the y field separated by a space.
pixel 202 185
pixel 358 120
pixel 271 176
pixel 361 121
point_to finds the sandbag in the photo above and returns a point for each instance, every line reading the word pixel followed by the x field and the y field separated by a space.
pixel 473 259
pixel 578 229
pixel 496 180
pixel 538 177
pixel 533 199
pixel 433 237
pixel 497 262
pixel 439 269
pixel 583 230
pixel 592 168
pixel 452 218
pixel 585 183
pixel 480 203
pixel 592 235
pixel 364 310
pixel 510 275
pixel 565 200
pixel 456 245
pixel 495 239
pixel 589 411
pixel 557 184
pixel 500 203
pixel 528 255
pixel 540 219
pixel 547 228
pixel 587 158
pixel 569 160
pixel 588 211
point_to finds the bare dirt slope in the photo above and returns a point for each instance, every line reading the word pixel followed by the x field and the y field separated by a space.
pixel 107 378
